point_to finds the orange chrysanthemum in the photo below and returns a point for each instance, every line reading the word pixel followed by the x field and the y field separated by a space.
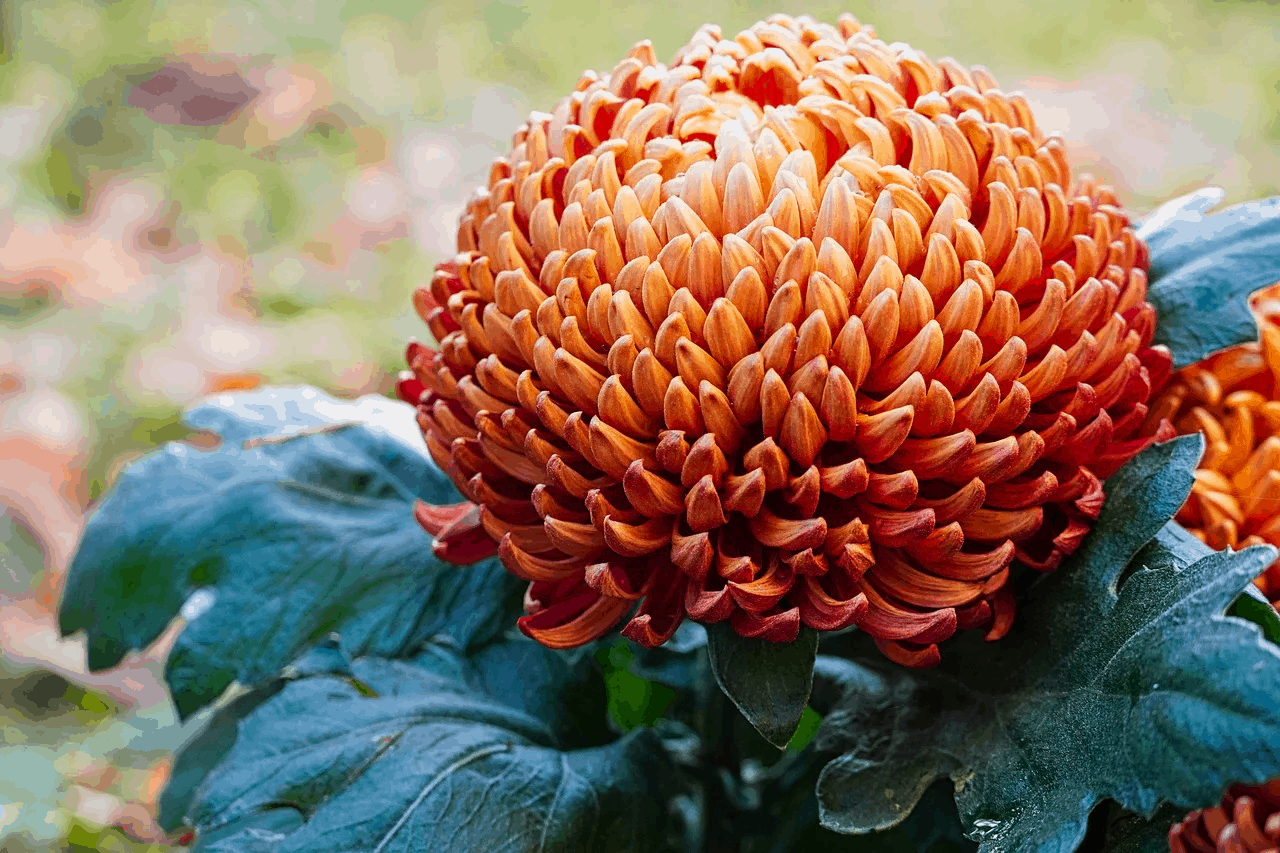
pixel 802 329
pixel 1248 821
pixel 1234 399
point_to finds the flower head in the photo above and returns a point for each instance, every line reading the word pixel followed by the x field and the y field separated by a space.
pixel 802 329
pixel 1234 399
pixel 1248 821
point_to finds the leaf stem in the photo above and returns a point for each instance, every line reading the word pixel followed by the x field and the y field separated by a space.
pixel 719 770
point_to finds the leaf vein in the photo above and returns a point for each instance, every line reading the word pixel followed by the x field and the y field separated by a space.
pixel 463 761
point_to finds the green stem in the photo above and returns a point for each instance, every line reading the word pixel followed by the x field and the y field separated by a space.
pixel 719 754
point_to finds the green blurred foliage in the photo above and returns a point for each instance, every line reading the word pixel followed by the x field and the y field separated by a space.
pixel 633 701
pixel 61 183
pixel 38 696
pixel 809 722
pixel 21 558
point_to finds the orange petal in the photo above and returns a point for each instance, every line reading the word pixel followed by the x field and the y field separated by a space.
pixel 775 532
pixel 574 622
pixel 537 568
pixel 781 627
pixel 822 612
pixel 635 540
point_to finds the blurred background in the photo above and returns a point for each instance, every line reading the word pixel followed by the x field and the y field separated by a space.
pixel 200 196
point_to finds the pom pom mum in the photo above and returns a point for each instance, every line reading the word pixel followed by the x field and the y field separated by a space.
pixel 802 329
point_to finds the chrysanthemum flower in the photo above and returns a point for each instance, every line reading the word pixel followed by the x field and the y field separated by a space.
pixel 1248 821
pixel 802 329
pixel 1234 399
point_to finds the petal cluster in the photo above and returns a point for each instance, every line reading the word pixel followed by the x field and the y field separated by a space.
pixel 801 329
pixel 1234 399
pixel 1247 821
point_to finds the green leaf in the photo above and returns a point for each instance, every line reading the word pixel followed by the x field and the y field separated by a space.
pixel 1130 833
pixel 203 752
pixel 298 525
pixel 768 682
pixel 1131 688
pixel 217 733
pixel 1253 605
pixel 442 753
pixel 633 701
pixel 788 818
pixel 1203 269
pixel 805 730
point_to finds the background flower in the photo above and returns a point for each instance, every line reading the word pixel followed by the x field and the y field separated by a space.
pixel 1234 399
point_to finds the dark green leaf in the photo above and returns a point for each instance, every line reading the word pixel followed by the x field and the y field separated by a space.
pixel 201 753
pixel 1251 605
pixel 1130 833
pixel 253 833
pixel 298 525
pixel 788 819
pixel 1132 688
pixel 768 682
pixel 1203 269
pixel 560 688
pixel 431 755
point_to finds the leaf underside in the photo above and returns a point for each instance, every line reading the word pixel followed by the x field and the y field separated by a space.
pixel 1122 679
pixel 1204 268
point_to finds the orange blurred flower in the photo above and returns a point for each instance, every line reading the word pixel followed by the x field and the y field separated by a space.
pixel 220 384
pixel 1234 399
pixel 802 329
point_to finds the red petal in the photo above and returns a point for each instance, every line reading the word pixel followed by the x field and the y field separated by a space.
pixel 662 610
pixel 459 534
pixel 410 389
pixel 916 658
pixel 574 622
pixel 781 627
pixel 708 605
pixel 821 611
